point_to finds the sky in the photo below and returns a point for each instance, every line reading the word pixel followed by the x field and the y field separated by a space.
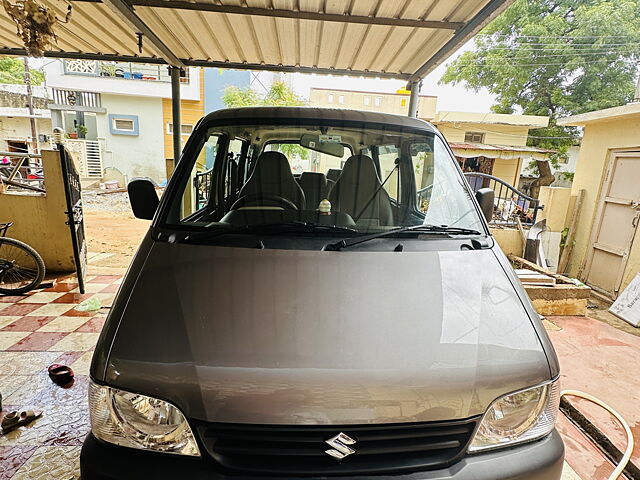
pixel 450 97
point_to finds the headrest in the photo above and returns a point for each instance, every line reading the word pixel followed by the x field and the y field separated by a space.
pixel 272 166
pixel 333 174
pixel 358 168
pixel 313 177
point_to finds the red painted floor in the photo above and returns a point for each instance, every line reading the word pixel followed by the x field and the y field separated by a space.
pixel 601 360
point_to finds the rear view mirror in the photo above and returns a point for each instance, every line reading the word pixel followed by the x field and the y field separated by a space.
pixel 485 197
pixel 329 144
pixel 143 198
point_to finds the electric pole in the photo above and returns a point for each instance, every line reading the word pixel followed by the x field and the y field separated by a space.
pixel 32 120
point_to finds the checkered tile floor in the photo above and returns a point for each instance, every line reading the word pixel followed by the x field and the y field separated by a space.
pixel 36 330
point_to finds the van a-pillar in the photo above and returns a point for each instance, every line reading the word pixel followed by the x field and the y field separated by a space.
pixel 414 88
pixel 176 73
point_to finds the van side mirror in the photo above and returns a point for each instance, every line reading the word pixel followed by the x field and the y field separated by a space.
pixel 143 198
pixel 485 197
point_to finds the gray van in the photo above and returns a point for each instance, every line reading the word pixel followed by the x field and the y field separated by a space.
pixel 319 296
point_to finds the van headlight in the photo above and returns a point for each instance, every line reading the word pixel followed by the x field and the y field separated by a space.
pixel 137 421
pixel 518 417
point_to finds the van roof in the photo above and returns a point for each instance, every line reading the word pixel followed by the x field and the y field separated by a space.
pixel 323 114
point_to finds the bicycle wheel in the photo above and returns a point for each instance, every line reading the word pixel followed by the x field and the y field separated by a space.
pixel 21 267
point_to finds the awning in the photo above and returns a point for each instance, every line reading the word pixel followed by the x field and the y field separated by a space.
pixel 384 38
pixel 507 152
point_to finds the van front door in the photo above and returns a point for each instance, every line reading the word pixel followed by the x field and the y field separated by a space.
pixel 616 223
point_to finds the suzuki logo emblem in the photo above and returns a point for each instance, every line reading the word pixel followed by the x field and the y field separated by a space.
pixel 340 444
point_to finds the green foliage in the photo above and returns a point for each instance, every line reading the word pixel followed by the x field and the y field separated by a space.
pixel 568 175
pixel 241 97
pixel 555 58
pixel 82 130
pixel 292 150
pixel 278 95
pixel 12 71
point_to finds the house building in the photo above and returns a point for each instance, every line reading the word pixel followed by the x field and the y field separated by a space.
pixel 121 113
pixel 482 142
pixel 397 103
pixel 606 254
pixel 15 120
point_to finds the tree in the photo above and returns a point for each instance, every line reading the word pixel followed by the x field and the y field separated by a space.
pixel 555 58
pixel 279 94
pixel 12 71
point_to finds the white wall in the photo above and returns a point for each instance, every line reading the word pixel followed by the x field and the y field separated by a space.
pixel 145 88
pixel 134 156
pixel 19 129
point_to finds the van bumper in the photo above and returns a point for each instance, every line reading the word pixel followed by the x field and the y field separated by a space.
pixel 540 460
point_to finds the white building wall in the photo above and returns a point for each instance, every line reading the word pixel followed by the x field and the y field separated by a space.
pixel 139 155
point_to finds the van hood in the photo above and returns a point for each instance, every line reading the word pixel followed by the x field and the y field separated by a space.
pixel 309 337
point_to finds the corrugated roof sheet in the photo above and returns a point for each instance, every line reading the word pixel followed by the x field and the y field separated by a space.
pixel 403 39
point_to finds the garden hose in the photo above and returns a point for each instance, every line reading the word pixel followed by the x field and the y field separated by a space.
pixel 627 454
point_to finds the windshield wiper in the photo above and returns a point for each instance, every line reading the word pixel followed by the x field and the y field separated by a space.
pixel 437 229
pixel 268 228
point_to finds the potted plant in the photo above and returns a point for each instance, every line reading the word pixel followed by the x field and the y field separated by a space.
pixel 72 135
pixel 82 131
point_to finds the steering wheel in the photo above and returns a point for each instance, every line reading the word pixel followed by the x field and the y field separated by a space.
pixel 268 199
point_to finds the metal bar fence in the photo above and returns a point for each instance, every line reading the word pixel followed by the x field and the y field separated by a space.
pixel 510 203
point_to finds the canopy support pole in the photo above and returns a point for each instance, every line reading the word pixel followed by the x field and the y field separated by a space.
pixel 175 113
pixel 414 88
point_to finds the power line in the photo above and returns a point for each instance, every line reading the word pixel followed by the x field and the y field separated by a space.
pixel 510 35
pixel 574 54
pixel 565 44
pixel 577 48
pixel 499 63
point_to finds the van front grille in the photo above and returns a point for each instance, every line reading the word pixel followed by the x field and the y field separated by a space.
pixel 301 450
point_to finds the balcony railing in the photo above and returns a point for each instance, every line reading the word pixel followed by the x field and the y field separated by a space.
pixel 76 98
pixel 123 70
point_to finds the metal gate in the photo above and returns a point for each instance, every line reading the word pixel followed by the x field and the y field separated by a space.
pixel 75 218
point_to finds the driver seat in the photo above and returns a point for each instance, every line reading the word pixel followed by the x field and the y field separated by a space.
pixel 359 191
pixel 272 175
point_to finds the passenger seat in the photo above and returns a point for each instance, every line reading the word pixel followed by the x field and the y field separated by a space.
pixel 359 193
pixel 315 188
pixel 333 174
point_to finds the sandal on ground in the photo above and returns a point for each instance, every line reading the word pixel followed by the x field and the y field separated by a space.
pixel 61 375
pixel 14 420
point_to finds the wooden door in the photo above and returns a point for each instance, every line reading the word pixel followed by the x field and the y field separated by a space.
pixel 616 223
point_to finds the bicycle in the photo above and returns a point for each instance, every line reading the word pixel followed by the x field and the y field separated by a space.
pixel 21 267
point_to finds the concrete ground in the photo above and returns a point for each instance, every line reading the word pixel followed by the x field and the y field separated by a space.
pixel 599 359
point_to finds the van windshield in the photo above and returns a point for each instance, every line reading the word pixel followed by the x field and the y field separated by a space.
pixel 339 177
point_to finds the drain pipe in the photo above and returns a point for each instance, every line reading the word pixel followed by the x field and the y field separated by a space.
pixel 414 87
pixel 176 73
pixel 629 450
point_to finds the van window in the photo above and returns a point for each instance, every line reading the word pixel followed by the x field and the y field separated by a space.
pixel 367 179
pixel 197 191
pixel 302 159
pixel 388 155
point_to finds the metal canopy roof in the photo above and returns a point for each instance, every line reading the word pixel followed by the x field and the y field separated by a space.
pixel 384 38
